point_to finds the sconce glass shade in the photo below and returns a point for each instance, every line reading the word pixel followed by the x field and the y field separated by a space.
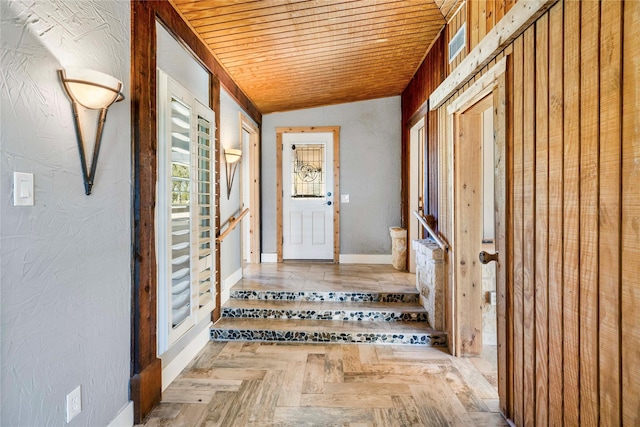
pixel 91 89
pixel 232 155
pixel 95 91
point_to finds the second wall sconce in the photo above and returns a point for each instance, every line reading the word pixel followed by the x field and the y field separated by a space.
pixel 232 158
pixel 95 91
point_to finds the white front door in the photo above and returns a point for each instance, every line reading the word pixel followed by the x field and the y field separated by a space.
pixel 307 196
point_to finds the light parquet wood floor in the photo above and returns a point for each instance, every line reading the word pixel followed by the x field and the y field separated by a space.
pixel 286 384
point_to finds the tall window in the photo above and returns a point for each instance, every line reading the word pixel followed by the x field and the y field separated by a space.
pixel 186 262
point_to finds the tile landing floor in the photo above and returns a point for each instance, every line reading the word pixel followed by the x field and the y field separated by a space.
pixel 290 384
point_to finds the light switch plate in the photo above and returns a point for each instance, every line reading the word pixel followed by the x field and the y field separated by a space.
pixel 22 189
pixel 344 198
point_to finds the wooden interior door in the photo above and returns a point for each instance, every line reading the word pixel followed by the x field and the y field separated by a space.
pixel 469 227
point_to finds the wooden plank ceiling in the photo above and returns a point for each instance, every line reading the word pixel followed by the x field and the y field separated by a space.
pixel 292 54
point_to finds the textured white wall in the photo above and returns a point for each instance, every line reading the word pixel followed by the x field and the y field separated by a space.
pixel 370 171
pixel 65 262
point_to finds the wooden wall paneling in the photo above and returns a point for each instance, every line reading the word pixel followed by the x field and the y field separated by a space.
pixel 414 102
pixel 428 76
pixel 610 213
pixel 482 19
pixel 473 23
pixel 630 232
pixel 500 9
pixel 462 19
pixel 589 171
pixel 508 406
pixel 529 226
pixel 146 368
pixel 518 228
pixel 490 15
pixel 502 166
pixel 542 219
pixel 555 214
pixel 571 209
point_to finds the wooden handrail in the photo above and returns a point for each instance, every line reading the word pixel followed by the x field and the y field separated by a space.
pixel 232 222
pixel 443 245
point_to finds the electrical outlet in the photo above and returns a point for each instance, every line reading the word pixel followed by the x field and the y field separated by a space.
pixel 74 403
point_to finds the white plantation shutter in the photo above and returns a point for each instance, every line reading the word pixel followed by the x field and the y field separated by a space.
pixel 186 261
pixel 205 266
pixel 180 237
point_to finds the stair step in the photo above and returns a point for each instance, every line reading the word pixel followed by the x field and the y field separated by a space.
pixel 363 296
pixel 326 310
pixel 324 331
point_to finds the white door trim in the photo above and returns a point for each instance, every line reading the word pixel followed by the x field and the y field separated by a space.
pixel 254 188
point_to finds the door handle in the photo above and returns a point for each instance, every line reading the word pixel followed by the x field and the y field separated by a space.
pixel 327 203
pixel 486 257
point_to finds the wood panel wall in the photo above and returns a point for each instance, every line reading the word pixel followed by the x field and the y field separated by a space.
pixel 482 16
pixel 414 98
pixel 574 214
pixel 568 209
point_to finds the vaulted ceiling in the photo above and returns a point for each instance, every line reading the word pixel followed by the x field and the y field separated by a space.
pixel 292 54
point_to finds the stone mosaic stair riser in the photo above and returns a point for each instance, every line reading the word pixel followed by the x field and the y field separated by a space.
pixel 376 316
pixel 434 340
pixel 325 296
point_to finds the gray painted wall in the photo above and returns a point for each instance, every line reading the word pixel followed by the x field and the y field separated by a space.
pixel 65 276
pixel 370 156
pixel 174 60
pixel 230 249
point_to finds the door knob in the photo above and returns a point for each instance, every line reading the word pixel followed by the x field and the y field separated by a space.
pixel 486 257
pixel 327 203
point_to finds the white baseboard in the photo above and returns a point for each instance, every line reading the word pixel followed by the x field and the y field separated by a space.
pixel 365 259
pixel 173 369
pixel 224 296
pixel 124 417
pixel 268 257
pixel 228 283
pixel 344 258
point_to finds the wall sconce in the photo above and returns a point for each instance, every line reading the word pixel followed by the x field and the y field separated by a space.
pixel 232 158
pixel 95 91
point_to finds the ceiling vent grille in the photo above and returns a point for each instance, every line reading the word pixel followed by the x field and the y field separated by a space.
pixel 457 43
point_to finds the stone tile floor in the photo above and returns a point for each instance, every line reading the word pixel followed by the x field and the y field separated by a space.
pixel 286 384
pixel 328 384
